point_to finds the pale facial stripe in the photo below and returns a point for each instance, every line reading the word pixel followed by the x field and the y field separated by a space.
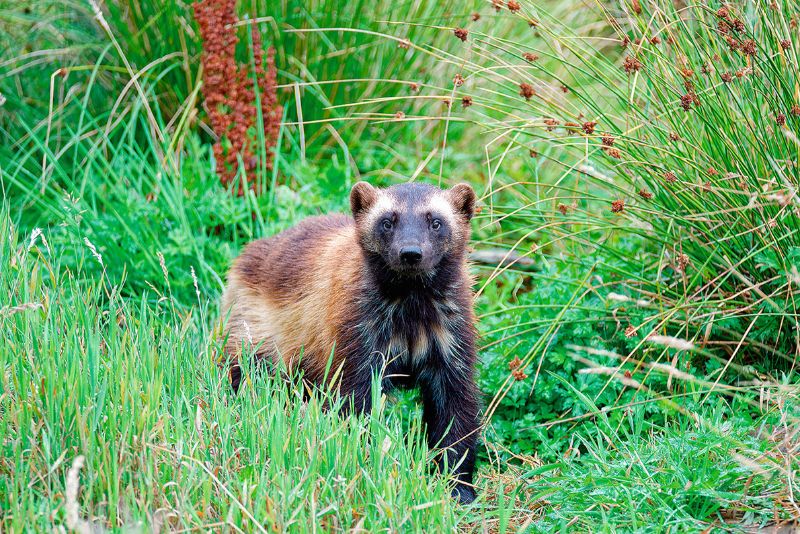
pixel 439 206
pixel 382 206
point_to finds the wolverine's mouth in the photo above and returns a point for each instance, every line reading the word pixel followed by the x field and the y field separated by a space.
pixel 412 272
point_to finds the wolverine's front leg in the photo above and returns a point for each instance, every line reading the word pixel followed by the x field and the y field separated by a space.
pixel 358 372
pixel 451 403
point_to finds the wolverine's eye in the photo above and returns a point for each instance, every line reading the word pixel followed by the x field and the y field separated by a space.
pixel 436 224
pixel 387 224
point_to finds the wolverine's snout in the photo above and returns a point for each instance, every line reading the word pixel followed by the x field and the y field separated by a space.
pixel 410 255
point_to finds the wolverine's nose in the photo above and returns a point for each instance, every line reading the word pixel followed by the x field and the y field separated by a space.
pixel 410 255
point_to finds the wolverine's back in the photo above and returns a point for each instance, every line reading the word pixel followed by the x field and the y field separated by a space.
pixel 292 291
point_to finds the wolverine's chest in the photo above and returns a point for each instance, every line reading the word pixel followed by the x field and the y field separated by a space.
pixel 411 331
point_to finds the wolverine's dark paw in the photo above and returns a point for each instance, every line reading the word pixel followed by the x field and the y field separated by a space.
pixel 464 494
pixel 235 374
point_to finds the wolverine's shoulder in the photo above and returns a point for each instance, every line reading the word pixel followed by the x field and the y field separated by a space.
pixel 282 259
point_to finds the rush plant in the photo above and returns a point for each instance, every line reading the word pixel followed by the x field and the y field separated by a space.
pixel 675 129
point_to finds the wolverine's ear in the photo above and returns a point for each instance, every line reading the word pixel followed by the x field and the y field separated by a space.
pixel 463 199
pixel 362 197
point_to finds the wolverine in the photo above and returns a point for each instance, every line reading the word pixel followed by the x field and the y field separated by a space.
pixel 383 293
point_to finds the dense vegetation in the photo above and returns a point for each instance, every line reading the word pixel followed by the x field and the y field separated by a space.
pixel 638 163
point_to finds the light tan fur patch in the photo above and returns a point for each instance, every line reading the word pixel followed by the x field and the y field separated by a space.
pixel 440 206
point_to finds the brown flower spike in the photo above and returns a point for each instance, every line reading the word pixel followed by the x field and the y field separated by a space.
pixel 461 33
pixel 617 206
pixel 229 91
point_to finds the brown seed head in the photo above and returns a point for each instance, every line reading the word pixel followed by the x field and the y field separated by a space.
pixel 670 177
pixel 748 47
pixel 786 44
pixel 630 331
pixel 476 17
pixel 458 80
pixel 404 44
pixel 727 77
pixel 673 136
pixel 613 152
pixel 530 56
pixel 636 6
pixel 497 4
pixel 563 208
pixel 686 101
pixel 551 124
pixel 588 127
pixel 617 206
pixel 647 195
pixel 461 33
pixel 526 90
pixel 780 118
pixel 532 153
pixel 738 26
pixel 513 6
pixel 654 40
pixel 466 102
pixel 519 375
pixel 631 64
pixel 514 364
pixel 683 262
pixel 607 140
pixel 625 42
pixel 712 171
pixel 795 110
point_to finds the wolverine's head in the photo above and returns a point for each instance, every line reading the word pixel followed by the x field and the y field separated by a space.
pixel 412 227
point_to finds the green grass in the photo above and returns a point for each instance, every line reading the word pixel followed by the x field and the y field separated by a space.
pixel 131 385
pixel 113 258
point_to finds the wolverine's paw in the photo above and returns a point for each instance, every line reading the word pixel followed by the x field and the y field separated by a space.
pixel 464 494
